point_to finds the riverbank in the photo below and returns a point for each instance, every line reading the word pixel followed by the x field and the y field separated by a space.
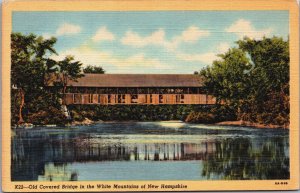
pixel 224 123
pixel 240 123
pixel 250 124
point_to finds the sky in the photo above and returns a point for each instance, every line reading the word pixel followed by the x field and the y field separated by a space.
pixel 164 42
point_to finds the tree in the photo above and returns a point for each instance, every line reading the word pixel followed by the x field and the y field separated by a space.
pixel 68 69
pixel 270 60
pixel 269 89
pixel 253 77
pixel 93 69
pixel 29 62
pixel 227 78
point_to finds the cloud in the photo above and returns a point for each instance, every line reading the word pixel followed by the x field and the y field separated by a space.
pixel 68 29
pixel 141 60
pixel 244 28
pixel 103 34
pixel 64 29
pixel 47 35
pixel 206 58
pixel 138 62
pixel 157 38
pixel 223 47
pixel 85 55
pixel 134 39
pixel 192 34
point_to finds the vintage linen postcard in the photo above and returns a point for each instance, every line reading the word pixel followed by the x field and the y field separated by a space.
pixel 148 95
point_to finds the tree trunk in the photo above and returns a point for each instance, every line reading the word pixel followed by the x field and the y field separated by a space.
pixel 64 95
pixel 22 98
pixel 65 82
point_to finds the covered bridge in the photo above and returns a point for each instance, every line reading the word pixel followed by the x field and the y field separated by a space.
pixel 111 89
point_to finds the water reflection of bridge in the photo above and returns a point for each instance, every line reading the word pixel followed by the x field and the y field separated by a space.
pixel 79 150
pixel 155 152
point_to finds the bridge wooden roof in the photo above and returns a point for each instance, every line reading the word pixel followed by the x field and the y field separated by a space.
pixel 138 80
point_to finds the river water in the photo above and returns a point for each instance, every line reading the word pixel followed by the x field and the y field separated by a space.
pixel 149 151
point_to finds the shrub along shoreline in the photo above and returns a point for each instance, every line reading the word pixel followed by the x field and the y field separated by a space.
pixel 198 114
pixel 187 113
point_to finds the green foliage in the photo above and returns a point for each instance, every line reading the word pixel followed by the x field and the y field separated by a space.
pixel 50 116
pixel 270 60
pixel 253 79
pixel 224 112
pixel 29 60
pixel 31 100
pixel 29 64
pixel 269 83
pixel 216 113
pixel 134 112
pixel 70 69
pixel 150 112
pixel 42 102
pixel 227 78
pixel 15 104
pixel 93 69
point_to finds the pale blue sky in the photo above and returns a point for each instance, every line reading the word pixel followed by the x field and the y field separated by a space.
pixel 150 42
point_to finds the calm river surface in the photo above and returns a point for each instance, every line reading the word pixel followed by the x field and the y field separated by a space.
pixel 149 151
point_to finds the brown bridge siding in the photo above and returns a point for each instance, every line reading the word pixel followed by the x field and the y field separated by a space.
pixel 111 99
